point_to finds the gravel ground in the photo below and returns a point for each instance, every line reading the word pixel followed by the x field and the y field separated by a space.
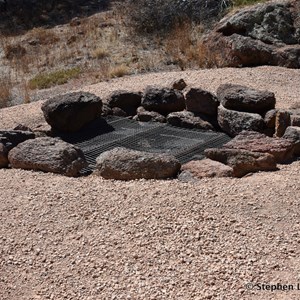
pixel 89 238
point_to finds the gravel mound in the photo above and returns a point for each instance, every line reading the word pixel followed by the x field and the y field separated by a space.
pixel 89 238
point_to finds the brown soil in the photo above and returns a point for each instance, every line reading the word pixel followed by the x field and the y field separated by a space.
pixel 89 238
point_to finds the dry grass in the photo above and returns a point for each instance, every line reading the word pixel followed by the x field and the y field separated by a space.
pixel 186 47
pixel 5 91
pixel 42 36
pixel 14 51
pixel 103 46
pixel 119 71
pixel 100 53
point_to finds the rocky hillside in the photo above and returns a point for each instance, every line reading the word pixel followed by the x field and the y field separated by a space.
pixel 265 34
pixel 24 14
pixel 132 37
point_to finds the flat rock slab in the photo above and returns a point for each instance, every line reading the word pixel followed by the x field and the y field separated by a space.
pixel 70 112
pixel 281 149
pixel 48 155
pixel 144 115
pixel 242 98
pixel 187 119
pixel 242 161
pixel 126 164
pixel 197 169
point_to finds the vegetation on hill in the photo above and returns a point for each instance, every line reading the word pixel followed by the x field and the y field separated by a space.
pixel 123 37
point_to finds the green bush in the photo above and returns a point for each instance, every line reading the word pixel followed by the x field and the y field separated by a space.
pixel 43 81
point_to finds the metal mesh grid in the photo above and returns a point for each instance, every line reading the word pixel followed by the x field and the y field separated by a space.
pixel 106 134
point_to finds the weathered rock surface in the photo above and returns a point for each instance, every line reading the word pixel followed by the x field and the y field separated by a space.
pixel 270 118
pixel 233 122
pixel 10 139
pixel 293 133
pixel 21 127
pixel 178 84
pixel 281 149
pixel 187 119
pixel 3 156
pixel 295 113
pixel 295 120
pixel 200 101
pixel 264 34
pixel 198 169
pixel 282 121
pixel 126 164
pixel 48 155
pixel 245 99
pixel 144 115
pixel 70 112
pixel 106 110
pixel 118 112
pixel 126 100
pixel 163 100
pixel 242 161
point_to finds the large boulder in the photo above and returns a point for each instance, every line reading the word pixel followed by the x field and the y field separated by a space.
pixel 233 122
pixel 200 101
pixel 126 100
pixel 242 161
pixel 264 34
pixel 48 155
pixel 242 98
pixel 197 169
pixel 163 100
pixel 70 112
pixel 10 139
pixel 187 119
pixel 281 149
pixel 126 164
pixel 293 133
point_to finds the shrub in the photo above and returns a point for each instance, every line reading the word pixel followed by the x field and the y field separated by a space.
pixel 14 51
pixel 119 71
pixel 43 36
pixel 150 16
pixel 43 81
pixel 100 53
pixel 5 91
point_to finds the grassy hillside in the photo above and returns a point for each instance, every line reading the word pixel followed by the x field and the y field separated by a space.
pixel 129 38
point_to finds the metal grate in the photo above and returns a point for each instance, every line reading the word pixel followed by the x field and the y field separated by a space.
pixel 106 134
